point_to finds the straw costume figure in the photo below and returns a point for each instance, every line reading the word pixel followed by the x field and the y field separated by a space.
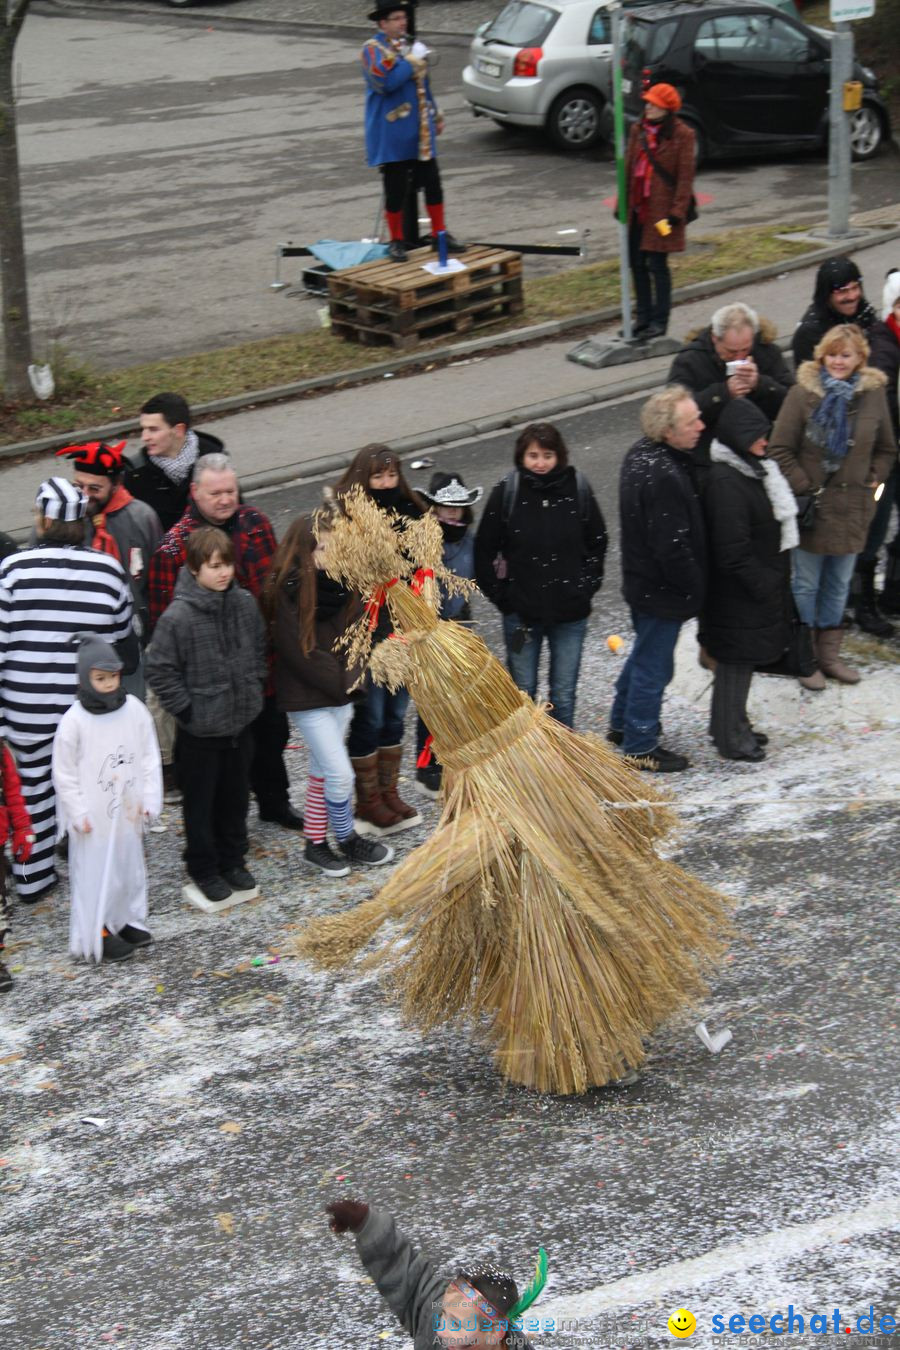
pixel 539 909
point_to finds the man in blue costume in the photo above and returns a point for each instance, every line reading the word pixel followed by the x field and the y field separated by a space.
pixel 402 122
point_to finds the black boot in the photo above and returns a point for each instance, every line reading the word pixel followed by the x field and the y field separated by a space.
pixel 889 600
pixel 865 605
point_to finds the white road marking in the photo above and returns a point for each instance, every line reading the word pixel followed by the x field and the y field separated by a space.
pixel 729 1259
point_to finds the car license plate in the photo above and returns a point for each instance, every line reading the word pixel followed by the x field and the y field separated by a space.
pixel 488 67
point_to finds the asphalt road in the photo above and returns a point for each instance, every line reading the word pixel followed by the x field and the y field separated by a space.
pixel 234 1101
pixel 164 158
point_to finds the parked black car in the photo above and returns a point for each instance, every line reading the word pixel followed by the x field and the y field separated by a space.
pixel 752 78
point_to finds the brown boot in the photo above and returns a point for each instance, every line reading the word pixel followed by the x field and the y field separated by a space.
pixel 828 647
pixel 373 816
pixel 389 757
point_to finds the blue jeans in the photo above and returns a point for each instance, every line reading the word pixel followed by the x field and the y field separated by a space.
pixel 323 731
pixel 821 584
pixel 377 720
pixel 640 687
pixel 565 641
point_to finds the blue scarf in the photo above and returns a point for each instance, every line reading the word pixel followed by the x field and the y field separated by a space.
pixel 828 426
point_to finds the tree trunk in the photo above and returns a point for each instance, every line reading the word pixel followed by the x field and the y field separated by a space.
pixel 16 321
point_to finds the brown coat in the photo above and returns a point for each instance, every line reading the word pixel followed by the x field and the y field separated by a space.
pixel 675 153
pixel 847 505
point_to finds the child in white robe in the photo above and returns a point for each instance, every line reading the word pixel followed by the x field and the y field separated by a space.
pixel 107 775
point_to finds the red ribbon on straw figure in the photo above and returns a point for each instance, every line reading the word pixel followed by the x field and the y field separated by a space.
pixel 425 753
pixel 420 576
pixel 373 606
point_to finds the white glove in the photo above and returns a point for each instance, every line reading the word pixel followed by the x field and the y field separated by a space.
pixel 420 51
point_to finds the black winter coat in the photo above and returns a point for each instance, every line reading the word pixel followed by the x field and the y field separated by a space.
pixel 747 612
pixel 701 370
pixel 663 539
pixel 554 558
pixel 885 356
pixel 145 480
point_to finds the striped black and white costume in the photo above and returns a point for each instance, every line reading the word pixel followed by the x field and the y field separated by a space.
pixel 47 595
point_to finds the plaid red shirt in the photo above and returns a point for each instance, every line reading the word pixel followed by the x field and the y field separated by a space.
pixel 254 547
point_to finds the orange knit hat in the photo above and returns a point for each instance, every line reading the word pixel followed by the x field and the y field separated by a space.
pixel 663 96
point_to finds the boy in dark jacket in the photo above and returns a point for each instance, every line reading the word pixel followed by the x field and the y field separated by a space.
pixel 479 1308
pixel 207 667
pixel 663 568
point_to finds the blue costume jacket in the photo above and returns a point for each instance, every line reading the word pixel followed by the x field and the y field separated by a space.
pixel 394 126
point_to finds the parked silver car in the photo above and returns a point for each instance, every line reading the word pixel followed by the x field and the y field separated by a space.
pixel 543 65
pixel 546 64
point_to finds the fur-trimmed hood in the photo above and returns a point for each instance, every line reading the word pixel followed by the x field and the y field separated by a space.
pixel 809 378
pixel 767 332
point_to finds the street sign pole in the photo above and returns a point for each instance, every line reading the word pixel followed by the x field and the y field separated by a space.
pixel 839 134
pixel 621 184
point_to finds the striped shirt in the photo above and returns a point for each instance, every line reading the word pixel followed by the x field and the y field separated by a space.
pixel 47 595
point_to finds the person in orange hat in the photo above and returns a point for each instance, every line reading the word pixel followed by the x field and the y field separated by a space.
pixel 659 171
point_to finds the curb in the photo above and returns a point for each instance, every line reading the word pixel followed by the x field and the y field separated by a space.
pixel 536 333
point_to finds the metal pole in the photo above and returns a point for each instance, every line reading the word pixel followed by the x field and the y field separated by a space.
pixel 621 184
pixel 839 134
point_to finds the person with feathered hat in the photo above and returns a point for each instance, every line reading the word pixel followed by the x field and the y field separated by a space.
pixel 402 122
pixel 479 1308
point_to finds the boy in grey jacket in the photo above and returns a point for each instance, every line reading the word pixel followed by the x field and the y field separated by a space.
pixel 475 1310
pixel 207 667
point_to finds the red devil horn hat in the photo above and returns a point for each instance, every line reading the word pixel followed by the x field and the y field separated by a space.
pixel 96 457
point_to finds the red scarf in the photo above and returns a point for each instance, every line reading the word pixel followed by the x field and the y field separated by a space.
pixel 642 173
pixel 893 325
pixel 103 541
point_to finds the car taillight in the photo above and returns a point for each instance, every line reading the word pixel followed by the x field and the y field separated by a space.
pixel 526 62
pixel 646 78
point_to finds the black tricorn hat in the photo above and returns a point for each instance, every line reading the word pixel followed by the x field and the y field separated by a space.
pixel 385 7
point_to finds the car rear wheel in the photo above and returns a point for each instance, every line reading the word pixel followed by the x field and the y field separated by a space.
pixel 866 132
pixel 574 120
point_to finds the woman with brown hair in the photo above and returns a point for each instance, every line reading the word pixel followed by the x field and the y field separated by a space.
pixel 659 172
pixel 307 612
pixel 834 442
pixel 376 732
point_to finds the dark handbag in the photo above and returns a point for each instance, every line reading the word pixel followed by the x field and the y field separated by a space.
pixel 798 657
pixel 806 511
pixel 692 212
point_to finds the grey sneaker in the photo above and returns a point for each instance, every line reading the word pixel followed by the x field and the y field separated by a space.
pixel 366 851
pixel 322 856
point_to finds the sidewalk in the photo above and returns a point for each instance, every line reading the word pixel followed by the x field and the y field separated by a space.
pixel 285 441
pixel 449 18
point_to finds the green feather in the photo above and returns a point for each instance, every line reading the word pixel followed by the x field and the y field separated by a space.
pixel 533 1290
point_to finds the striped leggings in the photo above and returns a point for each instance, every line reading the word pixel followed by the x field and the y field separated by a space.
pixel 34 762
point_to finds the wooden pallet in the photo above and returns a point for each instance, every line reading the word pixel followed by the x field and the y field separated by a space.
pixel 400 304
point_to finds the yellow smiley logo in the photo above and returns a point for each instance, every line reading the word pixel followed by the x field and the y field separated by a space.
pixel 682 1323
